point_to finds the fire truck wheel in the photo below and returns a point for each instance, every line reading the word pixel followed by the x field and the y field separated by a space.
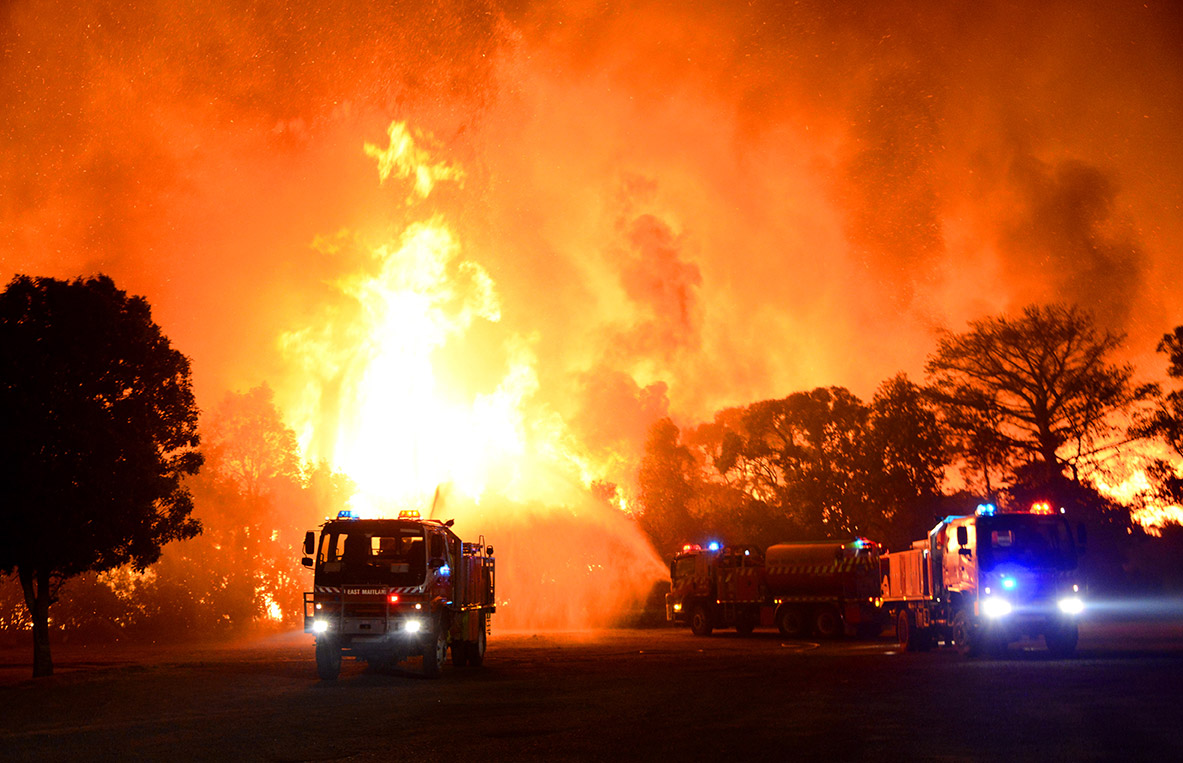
pixel 328 659
pixel 827 623
pixel 476 649
pixel 905 631
pixel 964 637
pixel 791 622
pixel 700 620
pixel 1061 641
pixel 434 651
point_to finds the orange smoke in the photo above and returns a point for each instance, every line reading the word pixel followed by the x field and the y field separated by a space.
pixel 592 215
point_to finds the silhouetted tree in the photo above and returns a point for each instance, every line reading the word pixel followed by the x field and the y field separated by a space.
pixel 907 457
pixel 1165 422
pixel 100 427
pixel 1042 387
pixel 254 503
pixel 803 456
pixel 665 486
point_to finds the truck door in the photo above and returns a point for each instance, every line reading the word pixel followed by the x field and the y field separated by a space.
pixel 441 561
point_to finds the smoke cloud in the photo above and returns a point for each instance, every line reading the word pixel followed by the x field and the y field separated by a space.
pixel 682 206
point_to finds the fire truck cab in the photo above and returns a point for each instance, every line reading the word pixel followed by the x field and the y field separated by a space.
pixel 986 579
pixel 385 590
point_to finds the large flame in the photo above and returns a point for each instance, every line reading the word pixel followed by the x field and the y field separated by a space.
pixel 1126 481
pixel 396 424
pixel 387 400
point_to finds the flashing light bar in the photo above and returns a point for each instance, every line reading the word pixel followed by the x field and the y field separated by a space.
pixel 348 514
pixel 714 545
pixel 691 547
pixel 1042 507
pixel 408 514
pixel 986 510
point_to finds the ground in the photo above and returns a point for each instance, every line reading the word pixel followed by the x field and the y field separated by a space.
pixel 645 694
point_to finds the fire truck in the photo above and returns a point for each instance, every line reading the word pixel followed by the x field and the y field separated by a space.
pixel 385 590
pixel 828 588
pixel 981 581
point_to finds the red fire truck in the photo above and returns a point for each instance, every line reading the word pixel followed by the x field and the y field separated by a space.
pixel 385 590
pixel 981 581
pixel 829 588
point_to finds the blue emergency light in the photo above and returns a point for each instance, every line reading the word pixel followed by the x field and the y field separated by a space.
pixel 986 510
pixel 347 514
pixel 714 546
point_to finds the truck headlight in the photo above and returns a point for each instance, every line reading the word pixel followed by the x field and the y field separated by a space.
pixel 320 626
pixel 412 626
pixel 1071 605
pixel 993 606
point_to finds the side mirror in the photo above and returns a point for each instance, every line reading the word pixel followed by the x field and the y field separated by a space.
pixel 1082 537
pixel 489 551
pixel 306 562
pixel 963 541
pixel 309 543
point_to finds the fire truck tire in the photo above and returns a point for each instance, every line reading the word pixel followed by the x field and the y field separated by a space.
pixel 1061 641
pixel 964 638
pixel 476 649
pixel 791 622
pixel 434 651
pixel 700 620
pixel 827 623
pixel 906 631
pixel 328 659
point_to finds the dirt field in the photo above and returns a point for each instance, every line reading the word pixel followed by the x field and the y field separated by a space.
pixel 655 694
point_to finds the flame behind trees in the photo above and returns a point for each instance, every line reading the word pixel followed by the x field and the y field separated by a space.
pixel 1017 402
pixel 1038 389
pixel 814 464
pixel 100 429
pixel 255 499
pixel 1166 423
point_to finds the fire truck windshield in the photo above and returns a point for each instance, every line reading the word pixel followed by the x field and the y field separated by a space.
pixel 1027 540
pixel 389 552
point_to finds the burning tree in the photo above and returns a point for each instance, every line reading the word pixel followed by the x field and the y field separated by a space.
pixel 100 429
pixel 254 497
pixel 1166 423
